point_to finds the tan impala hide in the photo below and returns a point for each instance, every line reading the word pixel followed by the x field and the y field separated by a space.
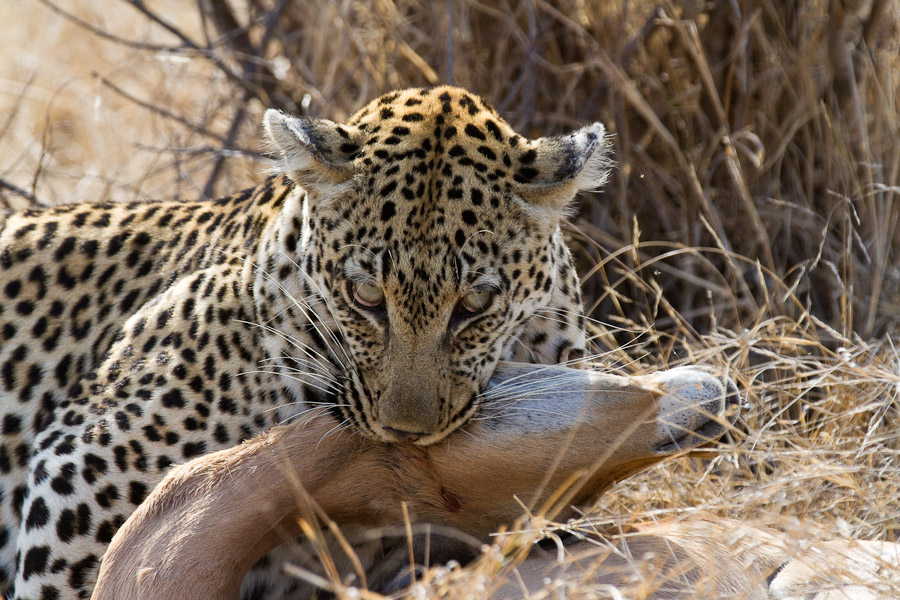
pixel 547 436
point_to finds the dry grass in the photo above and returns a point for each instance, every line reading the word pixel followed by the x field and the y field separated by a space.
pixel 753 222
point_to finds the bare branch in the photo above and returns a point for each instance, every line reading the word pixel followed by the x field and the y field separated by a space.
pixel 178 119
pixel 109 36
pixel 253 71
pixel 139 6
pixel 18 191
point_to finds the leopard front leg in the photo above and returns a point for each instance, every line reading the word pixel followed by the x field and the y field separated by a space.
pixel 182 381
pixel 81 488
pixel 85 481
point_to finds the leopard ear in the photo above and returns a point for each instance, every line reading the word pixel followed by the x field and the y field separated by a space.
pixel 550 171
pixel 316 153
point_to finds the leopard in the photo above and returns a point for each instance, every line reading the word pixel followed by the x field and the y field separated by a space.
pixel 377 275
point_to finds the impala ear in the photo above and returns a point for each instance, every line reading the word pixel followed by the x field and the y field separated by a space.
pixel 316 153
pixel 552 170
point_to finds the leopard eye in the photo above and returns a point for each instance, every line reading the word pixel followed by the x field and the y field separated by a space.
pixel 366 295
pixel 476 302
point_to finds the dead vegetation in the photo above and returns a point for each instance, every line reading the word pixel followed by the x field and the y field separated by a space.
pixel 753 222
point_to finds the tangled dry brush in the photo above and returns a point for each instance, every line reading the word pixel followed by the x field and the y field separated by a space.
pixel 751 224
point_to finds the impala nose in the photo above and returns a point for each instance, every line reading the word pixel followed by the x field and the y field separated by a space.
pixel 407 436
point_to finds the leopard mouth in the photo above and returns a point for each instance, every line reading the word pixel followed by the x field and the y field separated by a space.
pixel 459 419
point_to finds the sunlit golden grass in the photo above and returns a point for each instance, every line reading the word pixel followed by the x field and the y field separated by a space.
pixel 752 224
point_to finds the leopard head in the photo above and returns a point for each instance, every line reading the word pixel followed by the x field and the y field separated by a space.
pixel 430 234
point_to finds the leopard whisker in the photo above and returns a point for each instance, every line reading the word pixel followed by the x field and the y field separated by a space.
pixel 533 356
pixel 306 310
pixel 303 347
pixel 326 367
pixel 342 426
pixel 302 362
pixel 320 294
pixel 322 376
pixel 298 379
pixel 319 409
pixel 298 304
pixel 594 321
pixel 322 407
pixel 333 384
pixel 550 393
pixel 528 410
pixel 302 365
pixel 517 379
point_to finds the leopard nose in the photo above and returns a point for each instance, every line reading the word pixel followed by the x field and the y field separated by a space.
pixel 407 436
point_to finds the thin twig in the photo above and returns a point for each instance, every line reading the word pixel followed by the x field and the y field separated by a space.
pixel 177 118
pixel 252 72
pixel 102 33
pixel 18 191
